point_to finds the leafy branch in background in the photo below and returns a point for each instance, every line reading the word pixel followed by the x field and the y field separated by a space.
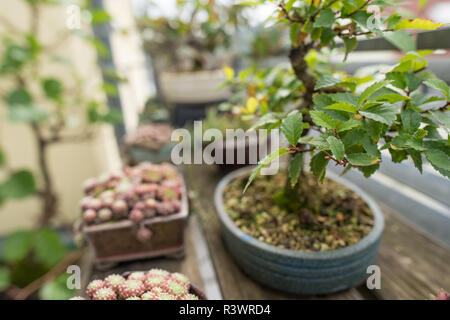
pixel 355 118
pixel 50 105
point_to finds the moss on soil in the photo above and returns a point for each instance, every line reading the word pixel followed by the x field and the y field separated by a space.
pixel 340 218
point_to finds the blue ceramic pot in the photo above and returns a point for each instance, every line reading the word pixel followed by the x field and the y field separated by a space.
pixel 297 271
pixel 140 154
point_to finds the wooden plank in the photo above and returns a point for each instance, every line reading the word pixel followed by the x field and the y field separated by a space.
pixel 235 284
pixel 412 266
pixel 188 265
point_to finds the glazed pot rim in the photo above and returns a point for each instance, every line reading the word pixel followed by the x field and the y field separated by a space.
pixel 365 242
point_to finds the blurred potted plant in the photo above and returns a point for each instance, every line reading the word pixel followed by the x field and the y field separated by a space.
pixel 290 232
pixel 138 213
pixel 33 260
pixel 151 141
pixel 189 50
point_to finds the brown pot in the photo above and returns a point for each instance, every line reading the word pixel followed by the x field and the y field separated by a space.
pixel 117 241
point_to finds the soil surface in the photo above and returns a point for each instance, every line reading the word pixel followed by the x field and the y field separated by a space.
pixel 335 218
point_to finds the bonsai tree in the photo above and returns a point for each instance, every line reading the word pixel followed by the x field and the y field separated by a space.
pixel 355 119
pixel 47 106
pixel 194 36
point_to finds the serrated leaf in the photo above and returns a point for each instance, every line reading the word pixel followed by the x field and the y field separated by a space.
pixel 402 40
pixel 52 88
pixel 370 147
pixel 416 156
pixel 350 45
pixel 371 90
pixel 295 167
pixel 337 147
pixel 325 18
pixel 369 170
pixel 343 106
pixel 292 127
pixel 438 159
pixel 289 5
pixel 439 85
pixel 318 165
pixel 323 119
pixel 419 24
pixel 263 163
pixel 344 97
pixel 268 118
pixel 384 113
pixel 411 120
pixel 326 80
pixel 362 159
pixel 348 125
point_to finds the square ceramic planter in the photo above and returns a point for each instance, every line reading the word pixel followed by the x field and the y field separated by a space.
pixel 115 242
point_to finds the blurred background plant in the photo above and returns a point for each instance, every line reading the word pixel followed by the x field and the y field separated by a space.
pixel 48 105
pixel 197 37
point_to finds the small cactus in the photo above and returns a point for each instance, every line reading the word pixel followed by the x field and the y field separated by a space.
pixel 104 294
pixel 114 281
pixel 131 288
pixel 93 286
pixel 155 284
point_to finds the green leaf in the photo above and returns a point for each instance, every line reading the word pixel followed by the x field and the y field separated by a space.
pixel 350 45
pixel 21 113
pixel 295 167
pixel 419 24
pixel 438 159
pixel 19 97
pixel 325 18
pixel 411 120
pixel 2 158
pixel 323 119
pixel 402 40
pixel 5 278
pixel 52 88
pixel 263 163
pixel 343 106
pixel 344 97
pixel 385 113
pixel 371 90
pixel 19 185
pixel 412 81
pixel 48 247
pixel 439 85
pixel 416 156
pixel 318 165
pixel 337 147
pixel 289 5
pixel 348 125
pixel 397 79
pixel 362 159
pixel 56 289
pixel 370 147
pixel 293 33
pixel 292 127
pixel 326 80
pixel 369 170
pixel 17 246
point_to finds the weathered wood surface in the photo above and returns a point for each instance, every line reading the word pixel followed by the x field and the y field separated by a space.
pixel 412 266
pixel 188 265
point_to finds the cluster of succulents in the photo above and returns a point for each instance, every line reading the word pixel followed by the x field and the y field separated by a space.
pixel 155 284
pixel 137 193
pixel 150 136
pixel 442 295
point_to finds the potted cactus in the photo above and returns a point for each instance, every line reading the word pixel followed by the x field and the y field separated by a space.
pixel 188 51
pixel 302 232
pixel 155 284
pixel 134 214
pixel 150 142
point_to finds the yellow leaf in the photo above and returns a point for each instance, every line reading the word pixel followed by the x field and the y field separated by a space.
pixel 420 24
pixel 229 72
pixel 251 105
